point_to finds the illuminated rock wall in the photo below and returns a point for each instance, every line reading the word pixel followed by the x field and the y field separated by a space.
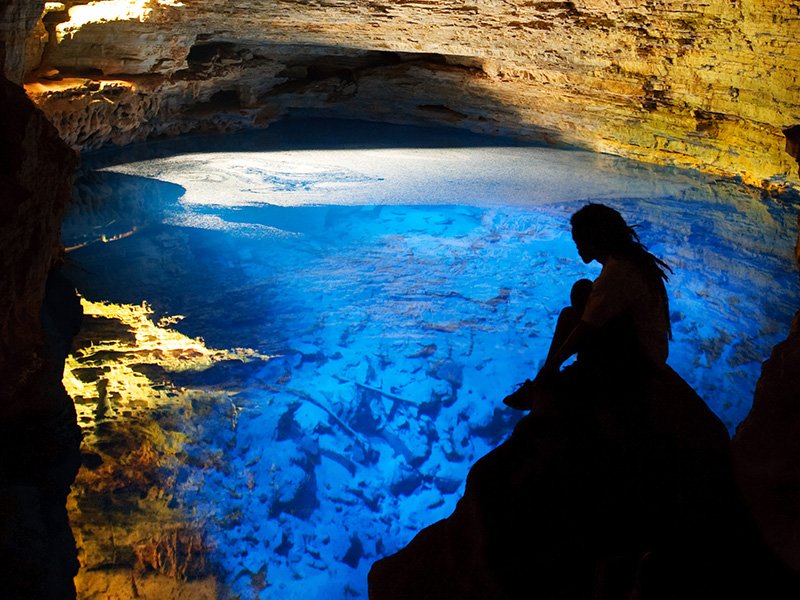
pixel 20 49
pixel 708 85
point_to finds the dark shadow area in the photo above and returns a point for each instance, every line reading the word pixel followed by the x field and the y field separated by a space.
pixel 304 133
pixel 39 437
pixel 39 459
pixel 108 206
pixel 793 143
pixel 566 508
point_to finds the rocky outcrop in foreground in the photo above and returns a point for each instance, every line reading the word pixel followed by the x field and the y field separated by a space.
pixel 766 450
pixel 577 505
pixel 766 447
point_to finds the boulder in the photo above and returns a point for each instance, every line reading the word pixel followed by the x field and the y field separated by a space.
pixel 766 449
pixel 592 503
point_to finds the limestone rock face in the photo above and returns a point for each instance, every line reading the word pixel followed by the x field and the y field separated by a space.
pixel 18 36
pixel 708 85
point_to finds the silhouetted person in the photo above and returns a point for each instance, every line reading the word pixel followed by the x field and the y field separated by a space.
pixel 628 303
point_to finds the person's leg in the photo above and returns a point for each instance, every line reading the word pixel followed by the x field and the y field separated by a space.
pixel 567 320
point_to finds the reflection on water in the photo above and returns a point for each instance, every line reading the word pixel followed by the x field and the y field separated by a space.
pixel 383 330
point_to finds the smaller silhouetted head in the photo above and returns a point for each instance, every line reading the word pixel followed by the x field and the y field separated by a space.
pixel 579 294
pixel 600 231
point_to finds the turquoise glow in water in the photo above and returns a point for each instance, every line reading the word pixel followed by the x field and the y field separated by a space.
pixel 405 289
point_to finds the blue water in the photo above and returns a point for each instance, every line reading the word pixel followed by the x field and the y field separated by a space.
pixel 398 325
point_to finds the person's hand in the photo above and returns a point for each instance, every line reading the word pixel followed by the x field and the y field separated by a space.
pixel 546 374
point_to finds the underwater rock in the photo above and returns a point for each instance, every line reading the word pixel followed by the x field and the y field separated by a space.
pixel 494 428
pixel 450 371
pixel 405 481
pixel 288 428
pixel 285 546
pixel 502 298
pixel 297 495
pixel 446 485
pixel 354 553
pixel 369 414
pixel 179 554
pixel 424 352
pixel 258 580
pixel 226 373
pixel 317 358
pixel 457 442
pixel 432 407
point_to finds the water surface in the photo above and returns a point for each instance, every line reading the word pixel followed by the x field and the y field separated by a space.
pixel 403 280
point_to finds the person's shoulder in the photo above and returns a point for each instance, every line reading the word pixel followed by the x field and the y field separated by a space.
pixel 619 261
pixel 625 265
pixel 621 271
pixel 617 267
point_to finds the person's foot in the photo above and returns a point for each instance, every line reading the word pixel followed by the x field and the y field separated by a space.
pixel 522 398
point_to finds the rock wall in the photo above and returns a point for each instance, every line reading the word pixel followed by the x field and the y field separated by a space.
pixel 767 444
pixel 659 516
pixel 709 85
pixel 38 432
pixel 766 447
pixel 35 176
pixel 20 47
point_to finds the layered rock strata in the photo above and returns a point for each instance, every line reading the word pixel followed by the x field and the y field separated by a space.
pixel 710 86
pixel 22 37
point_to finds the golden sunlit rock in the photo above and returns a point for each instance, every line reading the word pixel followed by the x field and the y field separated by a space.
pixel 132 536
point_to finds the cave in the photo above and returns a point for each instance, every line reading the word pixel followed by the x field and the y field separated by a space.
pixel 316 244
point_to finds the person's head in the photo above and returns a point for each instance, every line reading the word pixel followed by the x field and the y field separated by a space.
pixel 599 231
pixel 579 294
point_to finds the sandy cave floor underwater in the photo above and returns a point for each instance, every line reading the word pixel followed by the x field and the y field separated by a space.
pixel 297 340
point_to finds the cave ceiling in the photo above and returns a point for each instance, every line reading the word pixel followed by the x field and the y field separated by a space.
pixel 709 85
